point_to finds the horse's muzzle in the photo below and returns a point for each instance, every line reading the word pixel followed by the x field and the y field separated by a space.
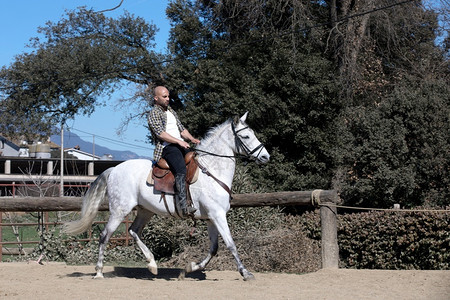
pixel 263 158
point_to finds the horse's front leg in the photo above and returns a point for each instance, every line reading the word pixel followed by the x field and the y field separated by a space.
pixel 214 245
pixel 222 226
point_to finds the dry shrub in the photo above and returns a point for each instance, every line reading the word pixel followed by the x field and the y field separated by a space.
pixel 267 239
pixel 284 248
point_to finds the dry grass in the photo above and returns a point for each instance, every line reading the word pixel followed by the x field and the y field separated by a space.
pixel 283 249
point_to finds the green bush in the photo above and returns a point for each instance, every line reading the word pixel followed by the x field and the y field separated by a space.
pixel 390 240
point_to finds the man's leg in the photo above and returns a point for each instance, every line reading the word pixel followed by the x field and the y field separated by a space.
pixel 174 155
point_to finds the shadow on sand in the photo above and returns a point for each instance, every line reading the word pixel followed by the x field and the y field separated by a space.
pixel 144 273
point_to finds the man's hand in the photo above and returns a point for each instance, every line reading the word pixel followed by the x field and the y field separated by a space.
pixel 187 136
pixel 183 144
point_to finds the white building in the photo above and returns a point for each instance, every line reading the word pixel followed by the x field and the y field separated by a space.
pixel 81 154
pixel 8 148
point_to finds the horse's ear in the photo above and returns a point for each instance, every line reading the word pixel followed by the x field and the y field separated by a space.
pixel 244 117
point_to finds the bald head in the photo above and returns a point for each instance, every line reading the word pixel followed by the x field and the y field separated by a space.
pixel 161 96
pixel 159 90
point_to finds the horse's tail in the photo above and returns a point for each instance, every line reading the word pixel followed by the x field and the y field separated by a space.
pixel 92 200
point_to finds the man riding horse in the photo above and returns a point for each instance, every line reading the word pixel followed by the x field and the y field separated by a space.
pixel 125 187
pixel 170 137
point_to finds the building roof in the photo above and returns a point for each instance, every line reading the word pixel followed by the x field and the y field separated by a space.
pixel 81 154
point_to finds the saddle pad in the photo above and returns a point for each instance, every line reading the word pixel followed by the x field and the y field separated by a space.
pixel 163 179
pixel 150 180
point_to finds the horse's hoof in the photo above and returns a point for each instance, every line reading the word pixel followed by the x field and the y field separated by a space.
pixel 191 267
pixel 98 276
pixel 248 276
pixel 182 275
pixel 152 267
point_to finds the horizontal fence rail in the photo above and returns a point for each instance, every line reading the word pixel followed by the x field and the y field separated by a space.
pixel 33 204
pixel 21 250
pixel 326 199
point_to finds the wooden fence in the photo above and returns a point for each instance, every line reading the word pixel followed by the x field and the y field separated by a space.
pixel 326 199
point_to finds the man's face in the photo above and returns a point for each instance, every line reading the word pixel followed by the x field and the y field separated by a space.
pixel 162 97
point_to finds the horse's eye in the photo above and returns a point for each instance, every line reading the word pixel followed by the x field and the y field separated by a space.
pixel 245 137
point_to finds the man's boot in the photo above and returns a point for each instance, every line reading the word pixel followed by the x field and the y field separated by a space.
pixel 180 186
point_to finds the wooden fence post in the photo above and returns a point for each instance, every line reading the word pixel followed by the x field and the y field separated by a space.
pixel 1 237
pixel 328 221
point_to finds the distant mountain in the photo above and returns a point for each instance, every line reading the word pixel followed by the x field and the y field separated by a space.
pixel 73 140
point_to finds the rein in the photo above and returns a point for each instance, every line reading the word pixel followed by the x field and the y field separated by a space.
pixel 239 145
pixel 218 155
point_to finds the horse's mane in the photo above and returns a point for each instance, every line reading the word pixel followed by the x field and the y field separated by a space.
pixel 213 131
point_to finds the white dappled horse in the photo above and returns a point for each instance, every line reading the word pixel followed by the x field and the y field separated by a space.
pixel 125 187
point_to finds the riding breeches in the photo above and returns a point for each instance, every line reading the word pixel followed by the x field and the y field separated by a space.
pixel 174 155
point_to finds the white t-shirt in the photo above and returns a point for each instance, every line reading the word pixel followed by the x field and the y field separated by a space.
pixel 171 127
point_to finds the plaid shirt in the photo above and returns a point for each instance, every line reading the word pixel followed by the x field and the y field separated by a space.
pixel 157 120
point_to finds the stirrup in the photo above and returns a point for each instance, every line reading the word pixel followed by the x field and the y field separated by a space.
pixel 188 211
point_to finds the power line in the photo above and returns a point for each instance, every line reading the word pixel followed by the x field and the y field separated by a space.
pixel 116 142
pixel 229 47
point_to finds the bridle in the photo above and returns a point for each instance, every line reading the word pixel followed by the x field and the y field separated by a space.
pixel 239 144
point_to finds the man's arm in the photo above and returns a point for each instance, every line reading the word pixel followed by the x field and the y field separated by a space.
pixel 170 139
pixel 187 136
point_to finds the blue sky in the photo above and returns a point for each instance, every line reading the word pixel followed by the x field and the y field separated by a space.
pixel 19 21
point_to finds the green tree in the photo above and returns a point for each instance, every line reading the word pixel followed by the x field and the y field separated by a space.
pixel 396 128
pixel 79 58
pixel 225 64
pixel 324 99
pixel 398 151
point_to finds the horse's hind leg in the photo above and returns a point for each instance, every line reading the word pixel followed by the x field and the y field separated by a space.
pixel 111 226
pixel 214 245
pixel 142 218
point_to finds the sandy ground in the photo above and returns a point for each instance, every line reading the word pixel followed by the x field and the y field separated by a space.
pixel 60 281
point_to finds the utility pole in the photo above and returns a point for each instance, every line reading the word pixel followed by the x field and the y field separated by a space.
pixel 61 187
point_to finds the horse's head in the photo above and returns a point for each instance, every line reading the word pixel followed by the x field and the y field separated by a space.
pixel 247 143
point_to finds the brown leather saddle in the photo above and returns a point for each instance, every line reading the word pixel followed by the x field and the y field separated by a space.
pixel 164 180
